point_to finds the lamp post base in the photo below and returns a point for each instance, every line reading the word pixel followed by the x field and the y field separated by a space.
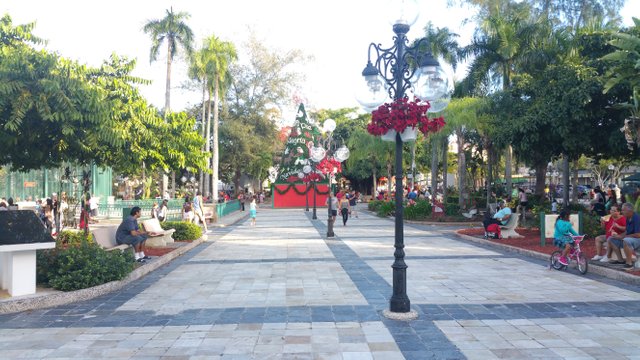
pixel 400 316
pixel 314 217
pixel 330 228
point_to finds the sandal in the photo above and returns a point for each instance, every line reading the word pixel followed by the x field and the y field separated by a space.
pixel 628 266
pixel 617 262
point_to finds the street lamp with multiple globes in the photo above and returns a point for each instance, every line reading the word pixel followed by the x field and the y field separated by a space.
pixel 322 151
pixel 396 72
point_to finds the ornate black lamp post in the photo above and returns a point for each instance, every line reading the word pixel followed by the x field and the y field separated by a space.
pixel 391 71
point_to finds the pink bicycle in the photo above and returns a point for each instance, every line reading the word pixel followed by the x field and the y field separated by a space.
pixel 575 254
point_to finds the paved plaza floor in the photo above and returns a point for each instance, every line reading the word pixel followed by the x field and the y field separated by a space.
pixel 281 290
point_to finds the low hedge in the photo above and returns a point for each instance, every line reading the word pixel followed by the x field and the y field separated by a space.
pixel 73 238
pixel 184 231
pixel 81 266
pixel 419 211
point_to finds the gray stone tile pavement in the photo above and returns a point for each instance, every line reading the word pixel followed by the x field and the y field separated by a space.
pixel 280 290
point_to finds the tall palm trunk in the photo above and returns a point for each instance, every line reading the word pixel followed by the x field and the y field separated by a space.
pixel 375 183
pixel 489 172
pixel 388 178
pixel 216 148
pixel 207 145
pixel 434 168
pixel 462 170
pixel 445 170
pixel 508 160
pixel 204 177
pixel 167 107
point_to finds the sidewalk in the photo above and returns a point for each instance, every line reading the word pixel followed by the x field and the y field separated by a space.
pixel 281 290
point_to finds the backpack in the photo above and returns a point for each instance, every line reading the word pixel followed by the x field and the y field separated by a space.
pixel 493 231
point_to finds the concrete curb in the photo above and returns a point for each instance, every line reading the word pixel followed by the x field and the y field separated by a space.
pixel 598 270
pixel 63 298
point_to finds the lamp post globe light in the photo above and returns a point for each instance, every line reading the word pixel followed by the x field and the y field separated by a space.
pixel 317 154
pixel 402 70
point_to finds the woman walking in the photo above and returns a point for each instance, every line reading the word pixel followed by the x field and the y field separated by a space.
pixel 344 209
pixel 198 210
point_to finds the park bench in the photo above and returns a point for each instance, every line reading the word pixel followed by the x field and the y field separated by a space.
pixel 105 236
pixel 161 238
pixel 22 234
pixel 509 230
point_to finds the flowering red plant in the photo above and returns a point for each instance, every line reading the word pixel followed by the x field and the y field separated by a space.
pixel 314 176
pixel 327 165
pixel 402 114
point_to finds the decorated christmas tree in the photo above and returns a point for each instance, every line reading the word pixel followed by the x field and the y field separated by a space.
pixel 296 165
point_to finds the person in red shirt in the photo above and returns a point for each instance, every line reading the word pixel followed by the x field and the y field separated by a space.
pixel 614 225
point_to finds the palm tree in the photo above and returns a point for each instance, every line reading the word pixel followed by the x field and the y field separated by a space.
pixel 173 30
pixel 374 151
pixel 443 44
pixel 505 40
pixel 221 54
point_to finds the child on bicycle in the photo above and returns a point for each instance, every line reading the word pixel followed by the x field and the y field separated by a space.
pixel 561 236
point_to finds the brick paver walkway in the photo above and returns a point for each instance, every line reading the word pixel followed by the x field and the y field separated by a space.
pixel 281 291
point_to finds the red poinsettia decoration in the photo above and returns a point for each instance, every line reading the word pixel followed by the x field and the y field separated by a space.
pixel 402 114
pixel 311 177
pixel 327 165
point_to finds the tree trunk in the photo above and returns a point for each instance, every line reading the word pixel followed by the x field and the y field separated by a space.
pixel 204 177
pixel 236 181
pixel 167 107
pixel 541 170
pixel 375 182
pixel 167 90
pixel 210 179
pixel 445 170
pixel 173 184
pixel 489 179
pixel 574 182
pixel 216 148
pixel 565 180
pixel 507 170
pixel 389 185
pixel 413 165
pixel 462 170
pixel 434 168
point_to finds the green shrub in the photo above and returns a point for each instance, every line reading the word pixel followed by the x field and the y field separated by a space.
pixel 386 208
pixel 591 226
pixel 451 209
pixel 83 266
pixel 421 210
pixel 73 238
pixel 374 205
pixel 184 231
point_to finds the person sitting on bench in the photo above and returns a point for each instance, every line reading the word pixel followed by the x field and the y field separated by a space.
pixel 501 217
pixel 129 233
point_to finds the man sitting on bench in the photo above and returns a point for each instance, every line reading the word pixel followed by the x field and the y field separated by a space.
pixel 129 233
pixel 501 217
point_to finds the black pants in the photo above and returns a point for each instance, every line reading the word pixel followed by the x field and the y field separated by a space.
pixel 488 222
pixel 242 204
pixel 345 215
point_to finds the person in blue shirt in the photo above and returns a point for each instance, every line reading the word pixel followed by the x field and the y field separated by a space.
pixel 561 235
pixel 629 241
pixel 129 233
pixel 501 217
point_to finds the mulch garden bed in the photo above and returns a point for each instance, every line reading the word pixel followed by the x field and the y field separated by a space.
pixel 531 241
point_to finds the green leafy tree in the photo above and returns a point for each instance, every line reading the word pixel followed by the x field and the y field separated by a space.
pixel 259 88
